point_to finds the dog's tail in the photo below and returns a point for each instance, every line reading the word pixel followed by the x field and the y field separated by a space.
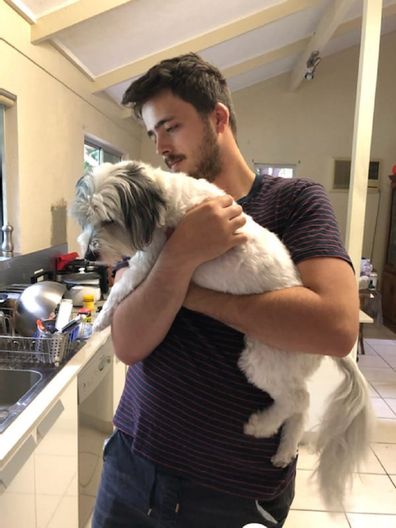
pixel 344 434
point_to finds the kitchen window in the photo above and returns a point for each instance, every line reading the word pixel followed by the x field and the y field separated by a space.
pixel 95 154
pixel 7 143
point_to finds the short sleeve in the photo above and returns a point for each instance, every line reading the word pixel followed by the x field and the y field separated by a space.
pixel 310 228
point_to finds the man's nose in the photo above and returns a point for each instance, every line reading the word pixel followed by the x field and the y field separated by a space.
pixel 163 146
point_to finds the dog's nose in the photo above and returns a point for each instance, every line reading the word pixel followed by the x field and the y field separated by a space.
pixel 91 255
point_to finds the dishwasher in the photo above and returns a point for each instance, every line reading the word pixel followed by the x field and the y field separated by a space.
pixel 95 414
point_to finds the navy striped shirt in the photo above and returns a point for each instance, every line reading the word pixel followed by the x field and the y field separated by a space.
pixel 186 403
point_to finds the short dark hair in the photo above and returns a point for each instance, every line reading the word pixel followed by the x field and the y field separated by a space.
pixel 187 76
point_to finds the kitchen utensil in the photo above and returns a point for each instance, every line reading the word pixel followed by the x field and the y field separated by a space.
pixel 42 275
pixel 12 293
pixel 62 261
pixel 38 301
pixel 71 324
pixel 64 313
pixel 3 298
pixel 41 331
pixel 3 324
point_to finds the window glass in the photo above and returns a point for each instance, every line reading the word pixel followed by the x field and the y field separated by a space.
pixel 94 155
pixel 281 170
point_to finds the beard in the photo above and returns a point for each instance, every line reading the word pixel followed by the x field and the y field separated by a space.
pixel 208 163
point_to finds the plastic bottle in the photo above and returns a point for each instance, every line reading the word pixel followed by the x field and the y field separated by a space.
pixel 89 302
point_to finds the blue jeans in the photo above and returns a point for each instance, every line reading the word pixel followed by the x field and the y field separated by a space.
pixel 134 493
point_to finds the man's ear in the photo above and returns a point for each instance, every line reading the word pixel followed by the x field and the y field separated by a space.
pixel 222 117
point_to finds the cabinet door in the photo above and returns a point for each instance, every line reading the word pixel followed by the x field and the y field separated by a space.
pixel 17 489
pixel 56 464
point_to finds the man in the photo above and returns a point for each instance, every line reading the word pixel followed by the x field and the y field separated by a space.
pixel 179 457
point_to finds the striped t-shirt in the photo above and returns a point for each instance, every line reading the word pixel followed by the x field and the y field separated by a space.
pixel 186 403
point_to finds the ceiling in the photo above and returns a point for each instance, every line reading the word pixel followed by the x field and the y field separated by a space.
pixel 115 41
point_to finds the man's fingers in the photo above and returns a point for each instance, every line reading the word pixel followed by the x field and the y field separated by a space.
pixel 234 210
pixel 239 238
pixel 226 200
pixel 238 221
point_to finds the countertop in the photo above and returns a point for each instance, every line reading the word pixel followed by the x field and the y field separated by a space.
pixel 24 425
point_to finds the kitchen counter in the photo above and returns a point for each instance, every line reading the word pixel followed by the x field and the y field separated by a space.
pixel 24 425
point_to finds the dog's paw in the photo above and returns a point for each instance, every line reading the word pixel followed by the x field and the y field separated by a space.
pixel 282 459
pixel 102 321
pixel 258 426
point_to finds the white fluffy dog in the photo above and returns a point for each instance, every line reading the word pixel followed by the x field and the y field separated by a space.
pixel 126 208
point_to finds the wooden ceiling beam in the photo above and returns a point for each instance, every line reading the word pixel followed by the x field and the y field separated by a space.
pixel 203 41
pixel 49 25
pixel 294 48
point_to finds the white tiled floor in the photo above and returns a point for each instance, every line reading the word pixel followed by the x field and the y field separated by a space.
pixel 372 501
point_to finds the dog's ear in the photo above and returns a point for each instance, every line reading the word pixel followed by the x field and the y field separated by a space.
pixel 141 203
pixel 88 206
pixel 81 207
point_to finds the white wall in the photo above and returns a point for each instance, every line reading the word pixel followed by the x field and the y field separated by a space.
pixel 45 134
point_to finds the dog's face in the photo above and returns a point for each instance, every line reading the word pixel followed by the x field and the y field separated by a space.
pixel 118 207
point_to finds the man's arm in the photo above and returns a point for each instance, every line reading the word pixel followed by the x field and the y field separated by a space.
pixel 142 319
pixel 322 317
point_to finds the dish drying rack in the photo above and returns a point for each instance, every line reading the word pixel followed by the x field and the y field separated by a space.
pixel 42 350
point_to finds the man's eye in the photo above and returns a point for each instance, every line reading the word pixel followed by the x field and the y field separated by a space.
pixel 172 128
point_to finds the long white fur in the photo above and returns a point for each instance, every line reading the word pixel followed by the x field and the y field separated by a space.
pixel 262 264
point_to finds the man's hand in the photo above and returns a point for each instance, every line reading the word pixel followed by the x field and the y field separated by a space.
pixel 207 231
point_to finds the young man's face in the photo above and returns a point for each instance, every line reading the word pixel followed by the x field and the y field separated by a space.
pixel 186 140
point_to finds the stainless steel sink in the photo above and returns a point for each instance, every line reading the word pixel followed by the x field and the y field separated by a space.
pixel 16 383
pixel 18 387
pixel 21 382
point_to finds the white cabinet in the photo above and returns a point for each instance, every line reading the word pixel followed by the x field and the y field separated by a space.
pixel 39 483
pixel 17 499
pixel 39 486
pixel 56 464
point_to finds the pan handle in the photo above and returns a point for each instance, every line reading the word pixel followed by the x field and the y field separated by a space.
pixel 40 275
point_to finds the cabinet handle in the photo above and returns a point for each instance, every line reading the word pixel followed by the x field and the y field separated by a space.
pixel 13 467
pixel 46 424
